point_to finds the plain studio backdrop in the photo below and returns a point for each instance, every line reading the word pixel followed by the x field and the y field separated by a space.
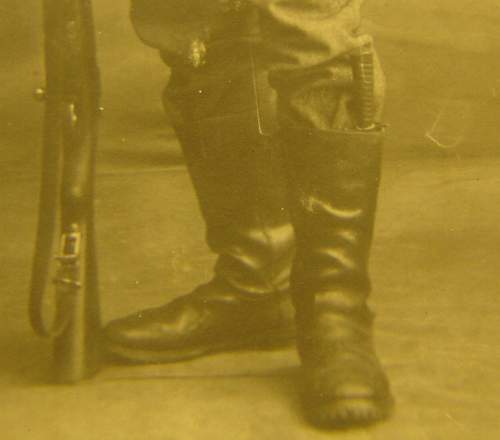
pixel 440 57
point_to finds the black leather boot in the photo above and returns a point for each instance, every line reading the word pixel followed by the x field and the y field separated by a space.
pixel 238 175
pixel 334 179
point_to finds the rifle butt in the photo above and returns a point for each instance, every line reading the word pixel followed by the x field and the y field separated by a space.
pixel 77 349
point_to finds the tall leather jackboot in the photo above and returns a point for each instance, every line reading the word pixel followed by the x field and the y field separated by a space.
pixel 334 180
pixel 238 175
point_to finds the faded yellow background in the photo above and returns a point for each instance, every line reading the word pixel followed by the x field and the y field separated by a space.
pixel 441 60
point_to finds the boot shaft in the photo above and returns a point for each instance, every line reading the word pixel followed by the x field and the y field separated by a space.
pixel 333 181
pixel 236 167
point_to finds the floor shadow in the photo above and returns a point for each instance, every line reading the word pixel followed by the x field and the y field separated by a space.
pixel 26 360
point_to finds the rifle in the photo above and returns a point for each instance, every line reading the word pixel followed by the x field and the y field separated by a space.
pixel 66 212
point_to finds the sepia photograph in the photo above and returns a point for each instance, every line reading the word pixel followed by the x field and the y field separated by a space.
pixel 250 219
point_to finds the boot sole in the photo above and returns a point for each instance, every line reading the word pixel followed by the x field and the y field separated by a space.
pixel 132 355
pixel 350 412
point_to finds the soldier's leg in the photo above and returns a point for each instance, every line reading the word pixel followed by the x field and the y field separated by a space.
pixel 333 171
pixel 238 177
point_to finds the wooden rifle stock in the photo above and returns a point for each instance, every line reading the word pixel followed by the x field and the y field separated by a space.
pixel 66 214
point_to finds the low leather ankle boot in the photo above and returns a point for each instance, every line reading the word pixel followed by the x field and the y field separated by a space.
pixel 334 180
